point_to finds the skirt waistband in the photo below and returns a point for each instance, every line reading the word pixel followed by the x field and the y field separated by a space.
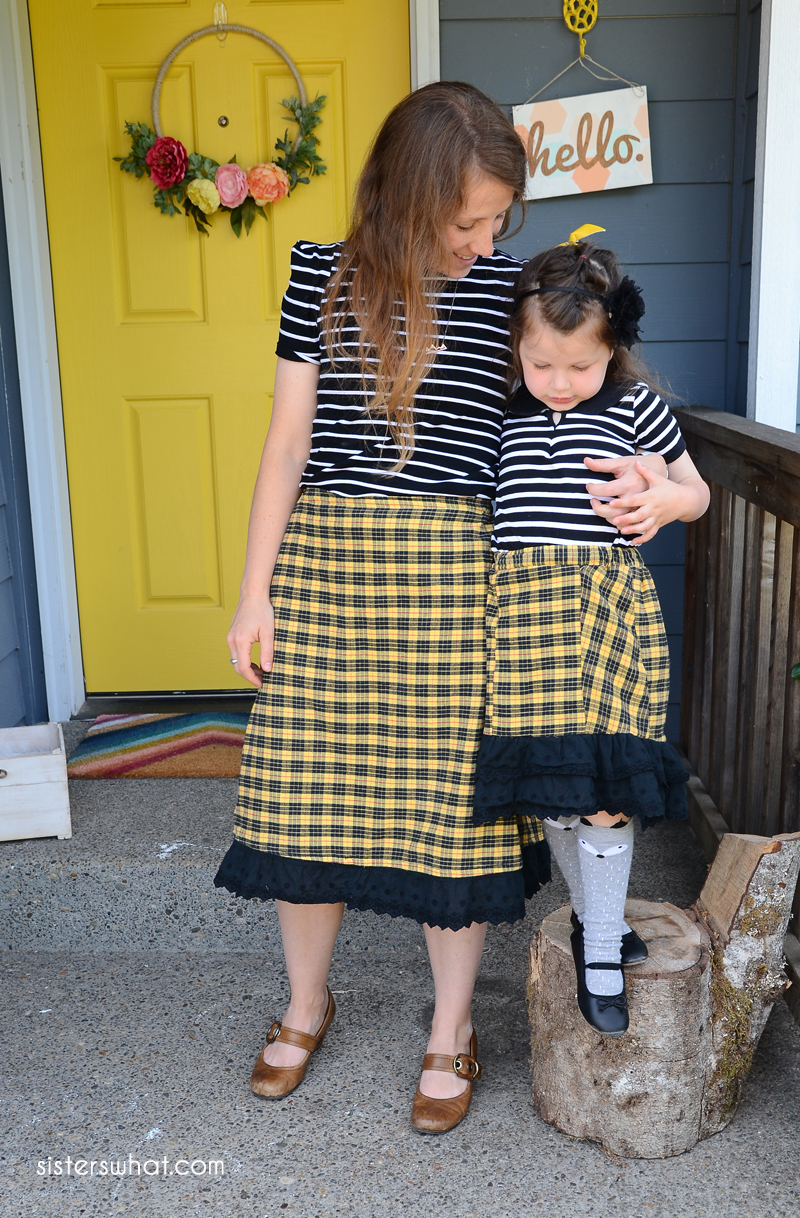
pixel 401 508
pixel 569 556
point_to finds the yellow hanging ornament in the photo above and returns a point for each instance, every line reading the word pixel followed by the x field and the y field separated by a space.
pixel 580 16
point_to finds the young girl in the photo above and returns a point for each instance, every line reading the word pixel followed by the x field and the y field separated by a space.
pixel 578 666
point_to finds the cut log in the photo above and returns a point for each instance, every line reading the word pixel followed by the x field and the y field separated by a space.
pixel 747 962
pixel 697 1006
pixel 639 1094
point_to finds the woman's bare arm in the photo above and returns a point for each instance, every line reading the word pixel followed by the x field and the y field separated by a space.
pixel 277 490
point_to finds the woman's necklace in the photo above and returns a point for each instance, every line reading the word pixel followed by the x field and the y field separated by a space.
pixel 441 346
pixel 435 349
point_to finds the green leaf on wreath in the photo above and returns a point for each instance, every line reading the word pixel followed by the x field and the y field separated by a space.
pixel 163 201
pixel 263 212
pixel 200 218
pixel 248 213
pixel 236 220
pixel 303 160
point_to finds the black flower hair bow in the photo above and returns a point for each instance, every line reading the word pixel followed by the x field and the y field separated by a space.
pixel 625 309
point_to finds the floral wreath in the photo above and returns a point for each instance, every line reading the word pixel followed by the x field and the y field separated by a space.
pixel 200 185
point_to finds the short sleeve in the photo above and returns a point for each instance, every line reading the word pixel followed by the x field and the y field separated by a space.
pixel 656 427
pixel 299 334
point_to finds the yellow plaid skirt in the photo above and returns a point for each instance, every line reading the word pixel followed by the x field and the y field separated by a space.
pixel 577 689
pixel 576 644
pixel 362 742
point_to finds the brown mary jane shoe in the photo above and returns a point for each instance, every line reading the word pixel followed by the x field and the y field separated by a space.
pixel 275 1082
pixel 437 1116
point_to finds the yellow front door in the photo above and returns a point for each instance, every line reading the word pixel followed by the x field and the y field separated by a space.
pixel 165 337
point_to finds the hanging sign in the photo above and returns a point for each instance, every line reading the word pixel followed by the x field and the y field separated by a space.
pixel 600 141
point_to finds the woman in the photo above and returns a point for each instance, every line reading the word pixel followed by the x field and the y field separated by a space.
pixel 368 556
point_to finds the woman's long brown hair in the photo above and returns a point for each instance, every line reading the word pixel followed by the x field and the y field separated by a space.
pixel 413 183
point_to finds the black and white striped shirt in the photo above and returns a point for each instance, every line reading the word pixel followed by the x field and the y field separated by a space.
pixel 458 410
pixel 541 494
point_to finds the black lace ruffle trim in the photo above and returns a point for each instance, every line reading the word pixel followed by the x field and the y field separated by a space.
pixel 449 903
pixel 579 774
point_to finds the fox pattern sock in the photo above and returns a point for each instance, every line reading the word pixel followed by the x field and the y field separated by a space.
pixel 604 854
pixel 562 837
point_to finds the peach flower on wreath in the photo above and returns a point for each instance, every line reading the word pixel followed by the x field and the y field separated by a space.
pixel 231 182
pixel 267 183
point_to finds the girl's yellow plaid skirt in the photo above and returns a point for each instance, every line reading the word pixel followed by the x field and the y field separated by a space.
pixel 577 688
pixel 358 766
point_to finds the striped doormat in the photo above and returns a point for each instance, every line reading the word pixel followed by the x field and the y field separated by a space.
pixel 160 746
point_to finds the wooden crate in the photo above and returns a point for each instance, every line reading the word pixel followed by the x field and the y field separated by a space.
pixel 34 801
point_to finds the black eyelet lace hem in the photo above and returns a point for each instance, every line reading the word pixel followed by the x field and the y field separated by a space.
pixel 450 904
pixel 579 775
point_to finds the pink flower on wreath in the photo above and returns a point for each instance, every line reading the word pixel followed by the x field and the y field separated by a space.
pixel 231 182
pixel 167 161
pixel 267 183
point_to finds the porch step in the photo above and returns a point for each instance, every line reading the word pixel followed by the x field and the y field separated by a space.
pixel 137 875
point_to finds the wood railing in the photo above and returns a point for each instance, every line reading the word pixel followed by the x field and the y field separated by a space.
pixel 740 707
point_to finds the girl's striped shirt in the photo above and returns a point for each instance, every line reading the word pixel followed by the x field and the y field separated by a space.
pixel 458 410
pixel 541 494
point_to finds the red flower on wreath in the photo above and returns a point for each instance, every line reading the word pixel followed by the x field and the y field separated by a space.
pixel 167 160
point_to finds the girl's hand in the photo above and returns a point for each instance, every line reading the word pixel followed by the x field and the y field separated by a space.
pixel 253 622
pixel 627 481
pixel 682 496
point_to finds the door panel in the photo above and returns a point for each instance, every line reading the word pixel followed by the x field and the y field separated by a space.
pixel 172 476
pixel 177 293
pixel 166 338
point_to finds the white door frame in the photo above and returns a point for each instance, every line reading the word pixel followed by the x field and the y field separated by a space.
pixel 424 27
pixel 37 356
pixel 774 339
pixel 37 350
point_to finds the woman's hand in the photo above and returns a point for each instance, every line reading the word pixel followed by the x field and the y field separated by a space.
pixel 277 489
pixel 627 481
pixel 681 496
pixel 253 622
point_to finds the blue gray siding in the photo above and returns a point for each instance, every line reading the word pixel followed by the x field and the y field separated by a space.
pixel 686 238
pixel 744 161
pixel 674 235
pixel 22 688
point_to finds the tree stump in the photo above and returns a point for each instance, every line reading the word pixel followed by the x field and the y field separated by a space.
pixel 698 1006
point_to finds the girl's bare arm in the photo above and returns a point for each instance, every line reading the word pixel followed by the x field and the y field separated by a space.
pixel 683 495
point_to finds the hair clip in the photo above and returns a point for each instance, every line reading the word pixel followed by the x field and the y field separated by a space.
pixel 585 230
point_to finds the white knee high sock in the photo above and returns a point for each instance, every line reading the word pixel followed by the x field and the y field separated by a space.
pixel 562 837
pixel 604 855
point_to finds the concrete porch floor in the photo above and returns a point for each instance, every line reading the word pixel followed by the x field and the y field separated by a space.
pixel 135 998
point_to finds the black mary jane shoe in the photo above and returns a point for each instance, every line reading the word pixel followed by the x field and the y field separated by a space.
pixel 634 949
pixel 607 1014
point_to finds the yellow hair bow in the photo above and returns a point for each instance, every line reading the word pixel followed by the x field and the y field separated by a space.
pixel 585 230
